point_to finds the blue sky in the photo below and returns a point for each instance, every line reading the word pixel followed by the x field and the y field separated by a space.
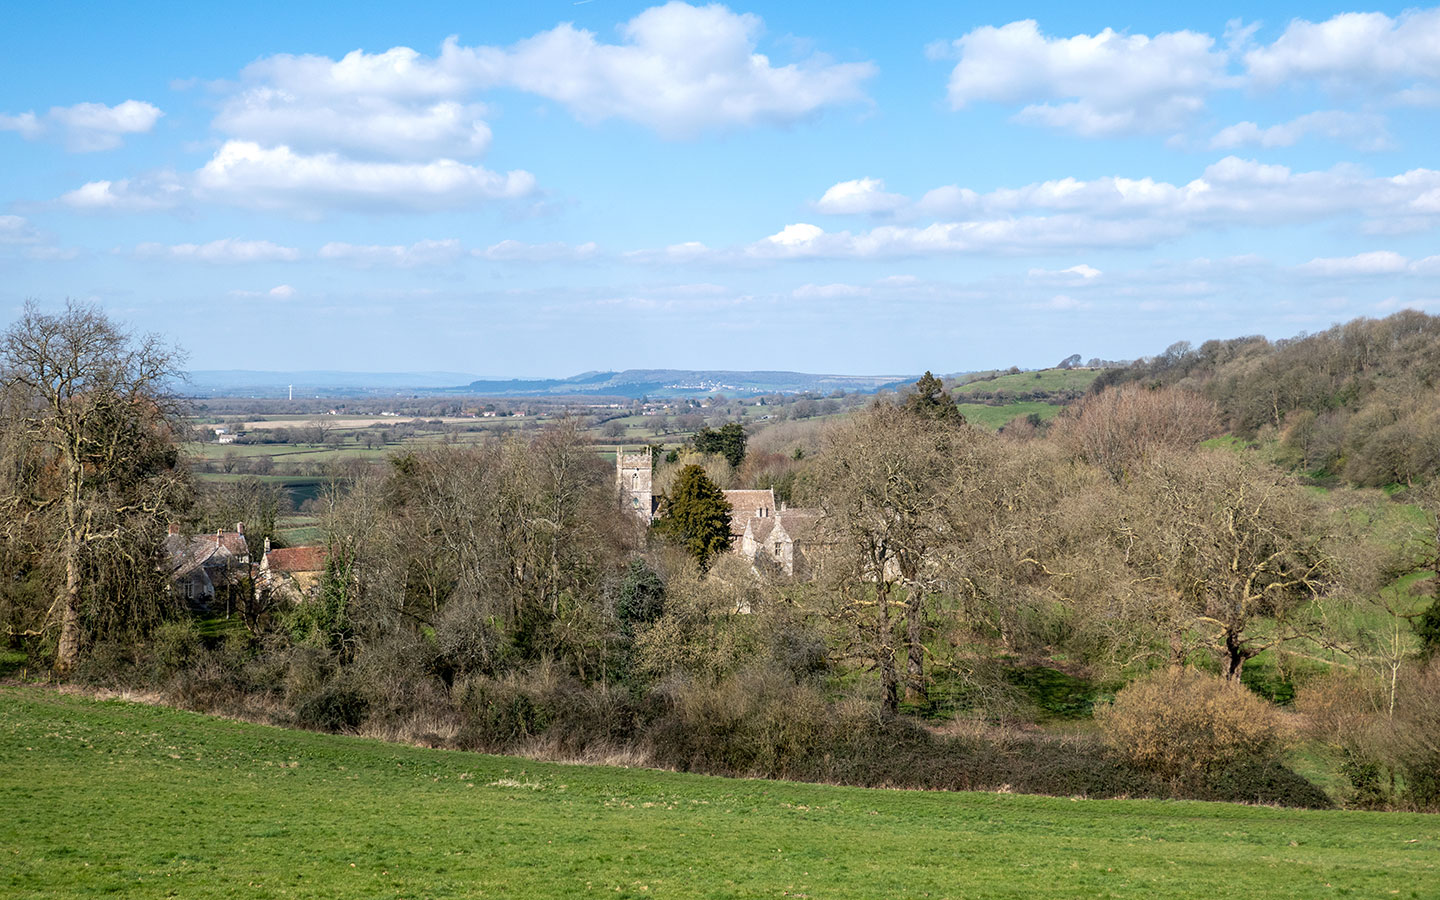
pixel 546 188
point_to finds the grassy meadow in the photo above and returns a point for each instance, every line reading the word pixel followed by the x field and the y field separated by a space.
pixel 119 799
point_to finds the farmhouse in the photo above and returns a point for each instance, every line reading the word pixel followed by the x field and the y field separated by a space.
pixel 205 562
pixel 291 573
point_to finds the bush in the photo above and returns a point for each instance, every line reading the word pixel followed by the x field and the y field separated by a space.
pixel 335 706
pixel 1184 725
pixel 760 723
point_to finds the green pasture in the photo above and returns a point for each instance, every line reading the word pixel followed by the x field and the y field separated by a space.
pixel 994 417
pixel 1043 380
pixel 117 799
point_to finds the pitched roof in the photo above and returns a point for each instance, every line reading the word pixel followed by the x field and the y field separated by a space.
pixel 759 529
pixel 222 549
pixel 800 524
pixel 746 505
pixel 297 559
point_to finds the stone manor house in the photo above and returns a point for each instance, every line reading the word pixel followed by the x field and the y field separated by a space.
pixel 775 539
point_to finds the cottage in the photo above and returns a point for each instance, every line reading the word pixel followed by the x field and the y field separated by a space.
pixel 291 573
pixel 206 563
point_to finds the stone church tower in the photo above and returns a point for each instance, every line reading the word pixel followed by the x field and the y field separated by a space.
pixel 633 472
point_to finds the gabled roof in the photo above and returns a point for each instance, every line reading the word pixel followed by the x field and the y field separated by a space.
pixel 223 549
pixel 746 505
pixel 759 529
pixel 800 524
pixel 297 559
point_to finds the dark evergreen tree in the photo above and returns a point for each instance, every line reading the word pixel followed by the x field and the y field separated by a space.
pixel 932 401
pixel 696 515
pixel 728 441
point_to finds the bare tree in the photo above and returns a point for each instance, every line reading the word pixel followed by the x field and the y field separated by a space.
pixel 1234 544
pixel 1120 428
pixel 887 476
pixel 94 402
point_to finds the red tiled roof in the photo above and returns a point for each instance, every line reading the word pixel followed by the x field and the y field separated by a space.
pixel 297 559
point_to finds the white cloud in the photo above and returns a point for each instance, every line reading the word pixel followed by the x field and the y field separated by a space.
pixel 246 174
pixel 1376 262
pixel 161 191
pixel 1360 130
pixel 1353 50
pixel 1074 274
pixel 86 127
pixel 1229 192
pixel 223 251
pixel 682 69
pixel 366 126
pixel 420 253
pixel 16 230
pixel 1069 215
pixel 861 196
pixel 556 251
pixel 278 292
pixel 26 124
pixel 828 291
pixel 1102 84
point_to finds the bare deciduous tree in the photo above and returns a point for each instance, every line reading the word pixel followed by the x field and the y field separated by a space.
pixel 94 406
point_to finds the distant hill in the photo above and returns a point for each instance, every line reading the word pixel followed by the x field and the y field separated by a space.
pixel 221 381
pixel 683 383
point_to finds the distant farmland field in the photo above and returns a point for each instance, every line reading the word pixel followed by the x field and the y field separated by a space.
pixel 116 799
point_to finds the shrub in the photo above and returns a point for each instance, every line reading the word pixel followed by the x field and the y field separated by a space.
pixel 1185 725
pixel 335 706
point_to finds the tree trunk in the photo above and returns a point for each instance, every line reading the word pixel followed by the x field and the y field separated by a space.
pixel 68 652
pixel 915 691
pixel 885 650
pixel 1233 658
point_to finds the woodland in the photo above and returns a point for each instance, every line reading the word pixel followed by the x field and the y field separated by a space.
pixel 1212 575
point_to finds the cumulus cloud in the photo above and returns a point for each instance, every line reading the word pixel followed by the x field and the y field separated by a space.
pixel 555 251
pixel 362 125
pixel 225 251
pixel 1364 131
pixel 1102 84
pixel 246 174
pixel 1231 191
pixel 420 253
pixel 156 192
pixel 1113 83
pixel 86 127
pixel 681 69
pixel 1353 50
pixel 861 196
pixel 1069 214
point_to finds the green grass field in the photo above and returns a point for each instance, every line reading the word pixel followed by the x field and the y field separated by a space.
pixel 995 417
pixel 1043 380
pixel 116 799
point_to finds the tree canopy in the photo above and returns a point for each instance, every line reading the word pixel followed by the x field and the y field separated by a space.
pixel 932 401
pixel 696 515
pixel 728 441
pixel 93 467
